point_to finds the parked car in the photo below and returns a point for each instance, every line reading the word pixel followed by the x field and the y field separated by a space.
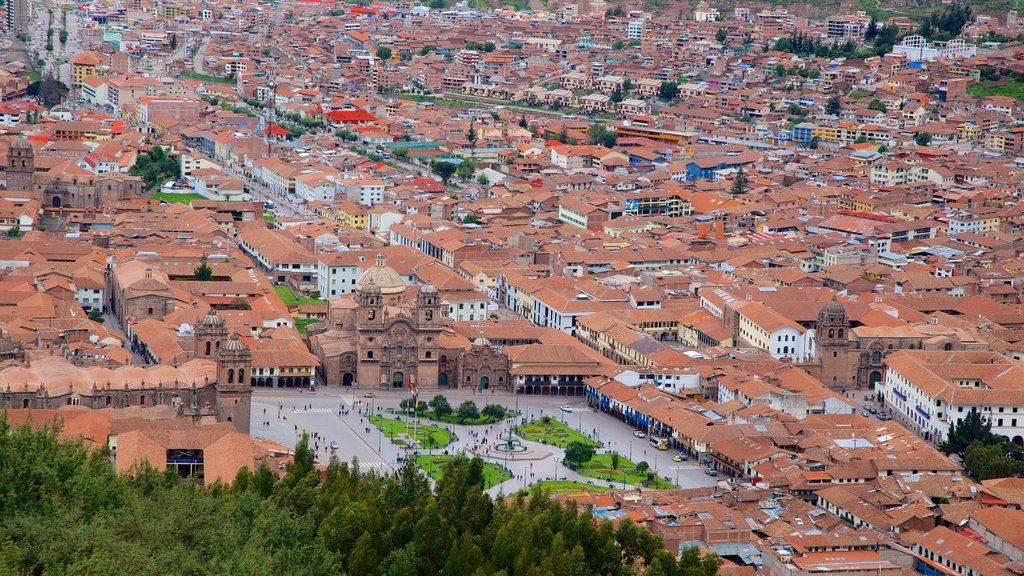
pixel 872 410
pixel 369 395
pixel 638 434
pixel 566 408
pixel 711 472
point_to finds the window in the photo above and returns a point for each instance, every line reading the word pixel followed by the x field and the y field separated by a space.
pixel 369 354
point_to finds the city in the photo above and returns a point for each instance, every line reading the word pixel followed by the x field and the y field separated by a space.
pixel 530 288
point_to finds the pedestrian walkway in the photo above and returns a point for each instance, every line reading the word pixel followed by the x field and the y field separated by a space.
pixel 315 411
pixel 379 466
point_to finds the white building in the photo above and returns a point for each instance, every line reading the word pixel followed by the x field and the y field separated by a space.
pixel 918 49
pixel 767 330
pixel 635 30
pixel 927 391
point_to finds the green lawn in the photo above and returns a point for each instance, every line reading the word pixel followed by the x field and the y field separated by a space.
pixel 424 432
pixel 547 430
pixel 268 216
pixel 206 77
pixel 565 486
pixel 179 198
pixel 290 298
pixel 434 467
pixel 600 467
pixel 1004 87
pixel 302 323
pixel 451 419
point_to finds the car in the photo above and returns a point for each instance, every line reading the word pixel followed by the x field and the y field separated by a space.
pixel 677 458
pixel 683 457
pixel 711 472
pixel 884 417
pixel 638 434
pixel 369 395
pixel 334 444
pixel 866 406
pixel 872 410
pixel 566 408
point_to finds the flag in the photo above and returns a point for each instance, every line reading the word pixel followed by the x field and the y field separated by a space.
pixel 414 390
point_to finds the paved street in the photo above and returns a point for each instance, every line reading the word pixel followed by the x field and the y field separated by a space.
pixel 289 413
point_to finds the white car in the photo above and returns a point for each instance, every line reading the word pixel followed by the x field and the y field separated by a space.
pixel 566 408
pixel 638 434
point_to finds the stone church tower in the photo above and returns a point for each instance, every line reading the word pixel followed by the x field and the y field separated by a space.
pixel 208 335
pixel 21 165
pixel 234 394
pixel 833 345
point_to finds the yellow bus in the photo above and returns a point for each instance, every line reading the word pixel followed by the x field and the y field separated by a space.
pixel 659 443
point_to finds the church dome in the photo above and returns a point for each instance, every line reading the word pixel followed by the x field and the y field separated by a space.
pixel 21 143
pixel 382 277
pixel 481 342
pixel 211 319
pixel 234 344
pixel 428 289
pixel 833 308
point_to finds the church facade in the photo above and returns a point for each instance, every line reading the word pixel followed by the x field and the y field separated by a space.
pixel 64 191
pixel 388 335
pixel 212 387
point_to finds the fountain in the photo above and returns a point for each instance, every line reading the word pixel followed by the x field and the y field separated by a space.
pixel 510 445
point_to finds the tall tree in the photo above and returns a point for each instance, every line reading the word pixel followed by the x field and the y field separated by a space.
pixel 973 428
pixel 739 182
pixel 203 272
pixel 834 105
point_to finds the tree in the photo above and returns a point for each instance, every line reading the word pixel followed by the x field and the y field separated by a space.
pixel 14 231
pixel 721 35
pixel 668 90
pixel 619 45
pixel 445 170
pixel 96 315
pixel 601 136
pixel 439 404
pixel 51 91
pixel 470 219
pixel 383 52
pixel 238 304
pixel 922 138
pixel 203 272
pixel 834 105
pixel 988 461
pixel 482 179
pixel 578 453
pixel 642 466
pixel 174 42
pixel 494 411
pixel 488 46
pixel 871 31
pixel 973 428
pixel 467 411
pixel 465 169
pixel 739 182
pixel 878 105
pixel 616 460
pixel 522 122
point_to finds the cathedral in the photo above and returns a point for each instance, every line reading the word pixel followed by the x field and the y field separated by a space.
pixel 61 190
pixel 387 335
pixel 212 387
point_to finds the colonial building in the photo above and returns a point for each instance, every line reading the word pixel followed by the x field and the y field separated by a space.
pixel 387 334
pixel 68 187
pixel 213 387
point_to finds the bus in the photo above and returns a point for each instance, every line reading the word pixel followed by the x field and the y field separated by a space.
pixel 659 443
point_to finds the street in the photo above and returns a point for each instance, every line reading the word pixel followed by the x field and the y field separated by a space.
pixel 283 415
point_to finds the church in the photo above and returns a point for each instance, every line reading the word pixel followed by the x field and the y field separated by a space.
pixel 387 334
pixel 57 189
pixel 211 387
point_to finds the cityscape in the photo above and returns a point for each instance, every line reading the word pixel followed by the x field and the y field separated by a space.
pixel 527 288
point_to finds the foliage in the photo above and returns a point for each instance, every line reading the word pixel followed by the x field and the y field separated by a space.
pixel 445 170
pixel 384 52
pixel 834 105
pixel 203 272
pixel 238 304
pixel 643 466
pixel 578 453
pixel 878 105
pixel 48 90
pixel 547 430
pixel 465 169
pixel 14 231
pixel 946 23
pixel 470 219
pixel 601 136
pixel 922 138
pixel 496 411
pixel 616 461
pixel 987 461
pixel 437 465
pixel 290 298
pixel 424 435
pixel 155 167
pixel 439 404
pixel 467 411
pixel 973 428
pixel 739 183
pixel 668 90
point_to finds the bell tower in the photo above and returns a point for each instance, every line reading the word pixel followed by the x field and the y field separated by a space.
pixel 234 394
pixel 209 334
pixel 431 311
pixel 21 165
pixel 832 344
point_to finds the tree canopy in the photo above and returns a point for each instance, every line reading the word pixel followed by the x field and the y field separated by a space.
pixel 65 511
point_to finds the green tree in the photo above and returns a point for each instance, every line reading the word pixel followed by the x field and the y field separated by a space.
pixel 203 272
pixel 445 170
pixel 739 182
pixel 616 460
pixel 482 180
pixel 439 404
pixel 599 135
pixel 922 138
pixel 96 315
pixel 578 453
pixel 401 152
pixel 878 105
pixel 619 45
pixel 494 411
pixel 973 428
pixel 871 31
pixel 642 466
pixel 668 90
pixel 470 219
pixel 834 105
pixel 465 169
pixel 383 52
pixel 988 461
pixel 467 411
pixel 238 304
pixel 14 231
